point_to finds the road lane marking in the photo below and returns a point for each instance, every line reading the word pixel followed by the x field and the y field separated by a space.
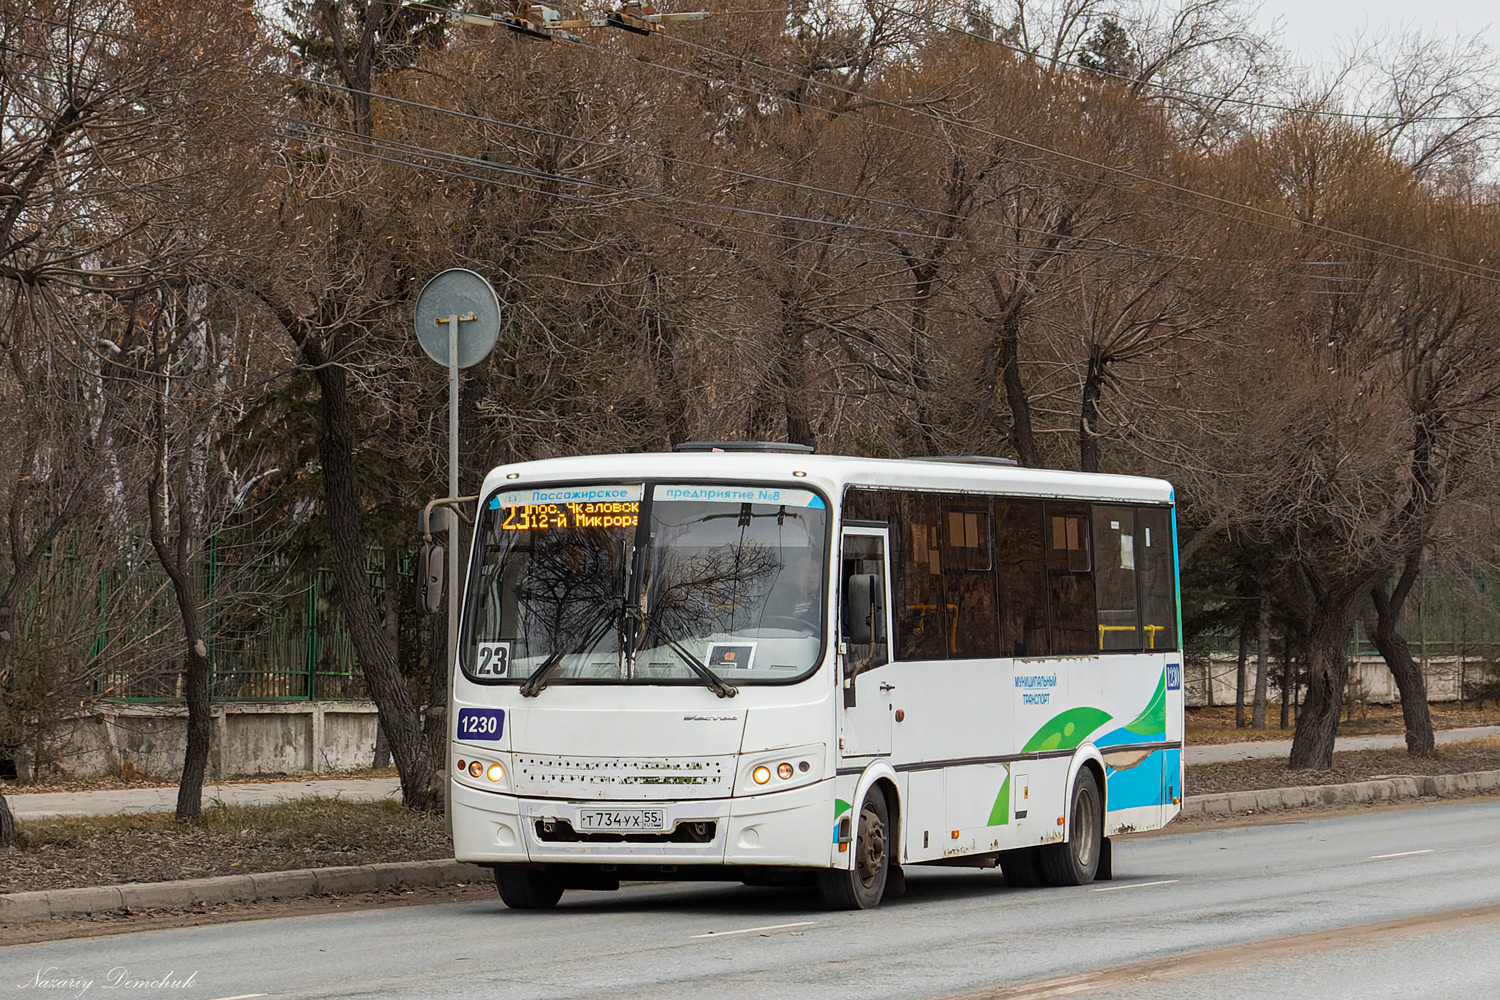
pixel 1162 970
pixel 752 930
pixel 1137 885
pixel 1403 854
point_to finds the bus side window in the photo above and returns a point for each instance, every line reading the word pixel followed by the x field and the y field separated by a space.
pixel 1022 573
pixel 1156 577
pixel 969 579
pixel 923 623
pixel 1071 615
pixel 1114 578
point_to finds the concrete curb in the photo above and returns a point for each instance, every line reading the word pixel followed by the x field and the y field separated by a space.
pixel 1385 790
pixel 56 904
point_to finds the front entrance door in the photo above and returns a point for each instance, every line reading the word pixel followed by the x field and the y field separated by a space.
pixel 865 719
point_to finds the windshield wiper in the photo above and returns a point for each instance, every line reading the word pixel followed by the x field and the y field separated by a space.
pixel 716 684
pixel 538 678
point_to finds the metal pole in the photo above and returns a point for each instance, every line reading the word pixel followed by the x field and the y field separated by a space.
pixel 452 516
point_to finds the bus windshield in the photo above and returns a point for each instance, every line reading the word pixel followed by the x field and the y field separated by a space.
pixel 631 583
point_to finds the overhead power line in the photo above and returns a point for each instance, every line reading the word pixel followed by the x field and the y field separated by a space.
pixel 1103 244
pixel 1362 243
pixel 1369 244
pixel 351 142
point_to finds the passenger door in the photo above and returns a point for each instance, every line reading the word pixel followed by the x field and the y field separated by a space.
pixel 865 714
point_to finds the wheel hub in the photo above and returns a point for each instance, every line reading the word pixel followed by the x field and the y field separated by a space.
pixel 869 855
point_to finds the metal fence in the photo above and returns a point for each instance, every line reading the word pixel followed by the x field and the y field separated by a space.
pixel 285 642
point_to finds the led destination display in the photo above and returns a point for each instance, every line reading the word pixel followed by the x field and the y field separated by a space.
pixel 549 516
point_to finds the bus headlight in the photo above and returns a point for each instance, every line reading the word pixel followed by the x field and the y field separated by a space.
pixel 775 770
pixel 485 772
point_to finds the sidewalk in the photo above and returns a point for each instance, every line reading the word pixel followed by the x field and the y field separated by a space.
pixel 1280 748
pixel 110 802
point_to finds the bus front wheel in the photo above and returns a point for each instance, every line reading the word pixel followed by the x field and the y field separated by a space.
pixel 860 886
pixel 1075 861
pixel 527 888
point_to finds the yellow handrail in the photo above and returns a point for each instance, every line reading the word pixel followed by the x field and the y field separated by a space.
pixel 1150 631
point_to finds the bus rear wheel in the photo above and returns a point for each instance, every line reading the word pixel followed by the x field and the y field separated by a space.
pixel 1076 861
pixel 527 888
pixel 861 886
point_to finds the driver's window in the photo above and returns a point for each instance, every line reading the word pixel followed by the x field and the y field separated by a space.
pixel 864 555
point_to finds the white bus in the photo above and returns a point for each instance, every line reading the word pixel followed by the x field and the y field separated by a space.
pixel 758 664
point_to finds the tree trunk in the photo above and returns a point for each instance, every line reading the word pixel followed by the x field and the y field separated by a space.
pixel 1262 663
pixel 1015 393
pixel 1089 416
pixel 195 676
pixel 1396 652
pixel 175 557
pixel 391 597
pixel 415 748
pixel 1327 670
pixel 1239 676
pixel 8 835
pixel 1286 677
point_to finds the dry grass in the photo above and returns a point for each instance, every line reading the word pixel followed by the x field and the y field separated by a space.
pixel 1349 765
pixel 228 840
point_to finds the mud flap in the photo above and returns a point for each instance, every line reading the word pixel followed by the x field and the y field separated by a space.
pixel 1106 870
pixel 895 882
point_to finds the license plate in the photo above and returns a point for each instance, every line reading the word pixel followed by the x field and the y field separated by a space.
pixel 621 820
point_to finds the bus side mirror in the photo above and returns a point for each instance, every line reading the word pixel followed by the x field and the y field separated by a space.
pixel 430 578
pixel 430 560
pixel 866 620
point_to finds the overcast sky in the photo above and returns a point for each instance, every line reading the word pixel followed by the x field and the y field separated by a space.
pixel 1313 27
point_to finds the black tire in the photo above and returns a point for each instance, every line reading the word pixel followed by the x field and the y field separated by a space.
pixel 861 886
pixel 527 888
pixel 1076 861
pixel 1022 867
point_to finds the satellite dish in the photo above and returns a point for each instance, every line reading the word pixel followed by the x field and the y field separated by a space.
pixel 462 292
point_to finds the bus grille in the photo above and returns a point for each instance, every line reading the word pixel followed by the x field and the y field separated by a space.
pixel 623 778
pixel 560 831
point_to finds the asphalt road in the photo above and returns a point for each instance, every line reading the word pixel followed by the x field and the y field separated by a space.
pixel 1400 903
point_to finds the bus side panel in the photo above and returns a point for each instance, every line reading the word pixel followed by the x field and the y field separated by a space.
pixel 924 820
pixel 979 810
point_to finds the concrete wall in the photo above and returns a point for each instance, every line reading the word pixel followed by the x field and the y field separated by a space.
pixel 249 738
pixel 1369 678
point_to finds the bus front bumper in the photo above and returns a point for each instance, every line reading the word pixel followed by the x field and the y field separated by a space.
pixel 791 828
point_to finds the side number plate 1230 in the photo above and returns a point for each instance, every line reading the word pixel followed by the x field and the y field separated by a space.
pixel 481 725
